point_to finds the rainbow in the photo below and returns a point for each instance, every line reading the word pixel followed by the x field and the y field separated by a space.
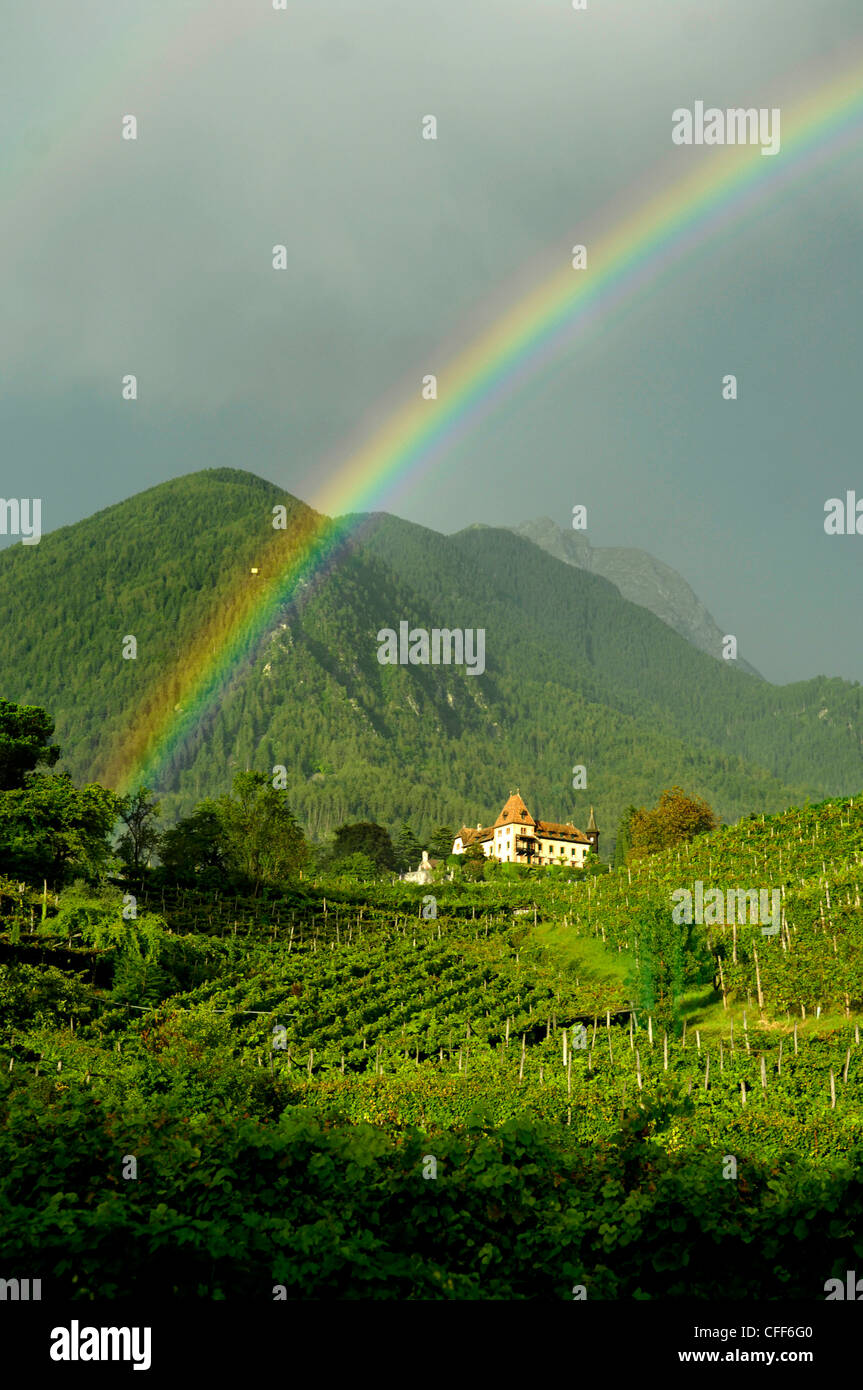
pixel 727 184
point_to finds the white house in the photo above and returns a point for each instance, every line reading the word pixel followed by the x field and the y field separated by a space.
pixel 516 838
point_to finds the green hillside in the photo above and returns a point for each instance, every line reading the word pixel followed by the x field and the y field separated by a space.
pixel 813 856
pixel 640 577
pixel 574 673
pixel 581 635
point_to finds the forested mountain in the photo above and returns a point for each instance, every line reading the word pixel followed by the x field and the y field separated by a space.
pixel 574 673
pixel 640 577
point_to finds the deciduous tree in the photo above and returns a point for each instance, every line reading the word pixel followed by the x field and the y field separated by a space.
pixel 675 818
pixel 139 812
pixel 262 838
pixel 364 837
pixel 54 830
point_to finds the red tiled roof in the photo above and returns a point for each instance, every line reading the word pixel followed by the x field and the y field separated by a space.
pixel 555 831
pixel 515 812
pixel 470 837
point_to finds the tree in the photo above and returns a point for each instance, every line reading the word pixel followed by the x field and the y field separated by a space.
pixel 358 866
pixel 473 863
pixel 406 850
pixel 139 812
pixel 49 828
pixel 675 818
pixel 441 842
pixel 52 829
pixel 364 837
pixel 25 731
pixel 670 956
pixel 623 843
pixel 196 846
pixel 262 839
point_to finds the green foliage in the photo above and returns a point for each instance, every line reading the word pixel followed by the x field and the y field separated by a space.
pixel 406 849
pixel 364 838
pixel 194 850
pixel 52 829
pixel 357 867
pixel 515 870
pixel 139 811
pixel 441 842
pixel 25 732
pixel 332 1213
pixel 669 957
pixel 261 837
pixel 675 819
pixel 623 841
pixel 49 829
pixel 32 997
pixel 475 863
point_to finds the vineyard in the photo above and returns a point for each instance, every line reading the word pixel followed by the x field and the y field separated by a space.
pixel 343 1096
pixel 813 857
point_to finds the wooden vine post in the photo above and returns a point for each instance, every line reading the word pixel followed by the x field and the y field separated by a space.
pixel 722 985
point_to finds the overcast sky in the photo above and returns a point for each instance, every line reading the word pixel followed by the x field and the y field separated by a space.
pixel 302 127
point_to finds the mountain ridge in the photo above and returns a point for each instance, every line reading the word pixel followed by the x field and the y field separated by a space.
pixel 575 674
pixel 640 578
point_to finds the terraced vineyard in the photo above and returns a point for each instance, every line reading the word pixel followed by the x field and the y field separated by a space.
pixel 342 1097
pixel 814 857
